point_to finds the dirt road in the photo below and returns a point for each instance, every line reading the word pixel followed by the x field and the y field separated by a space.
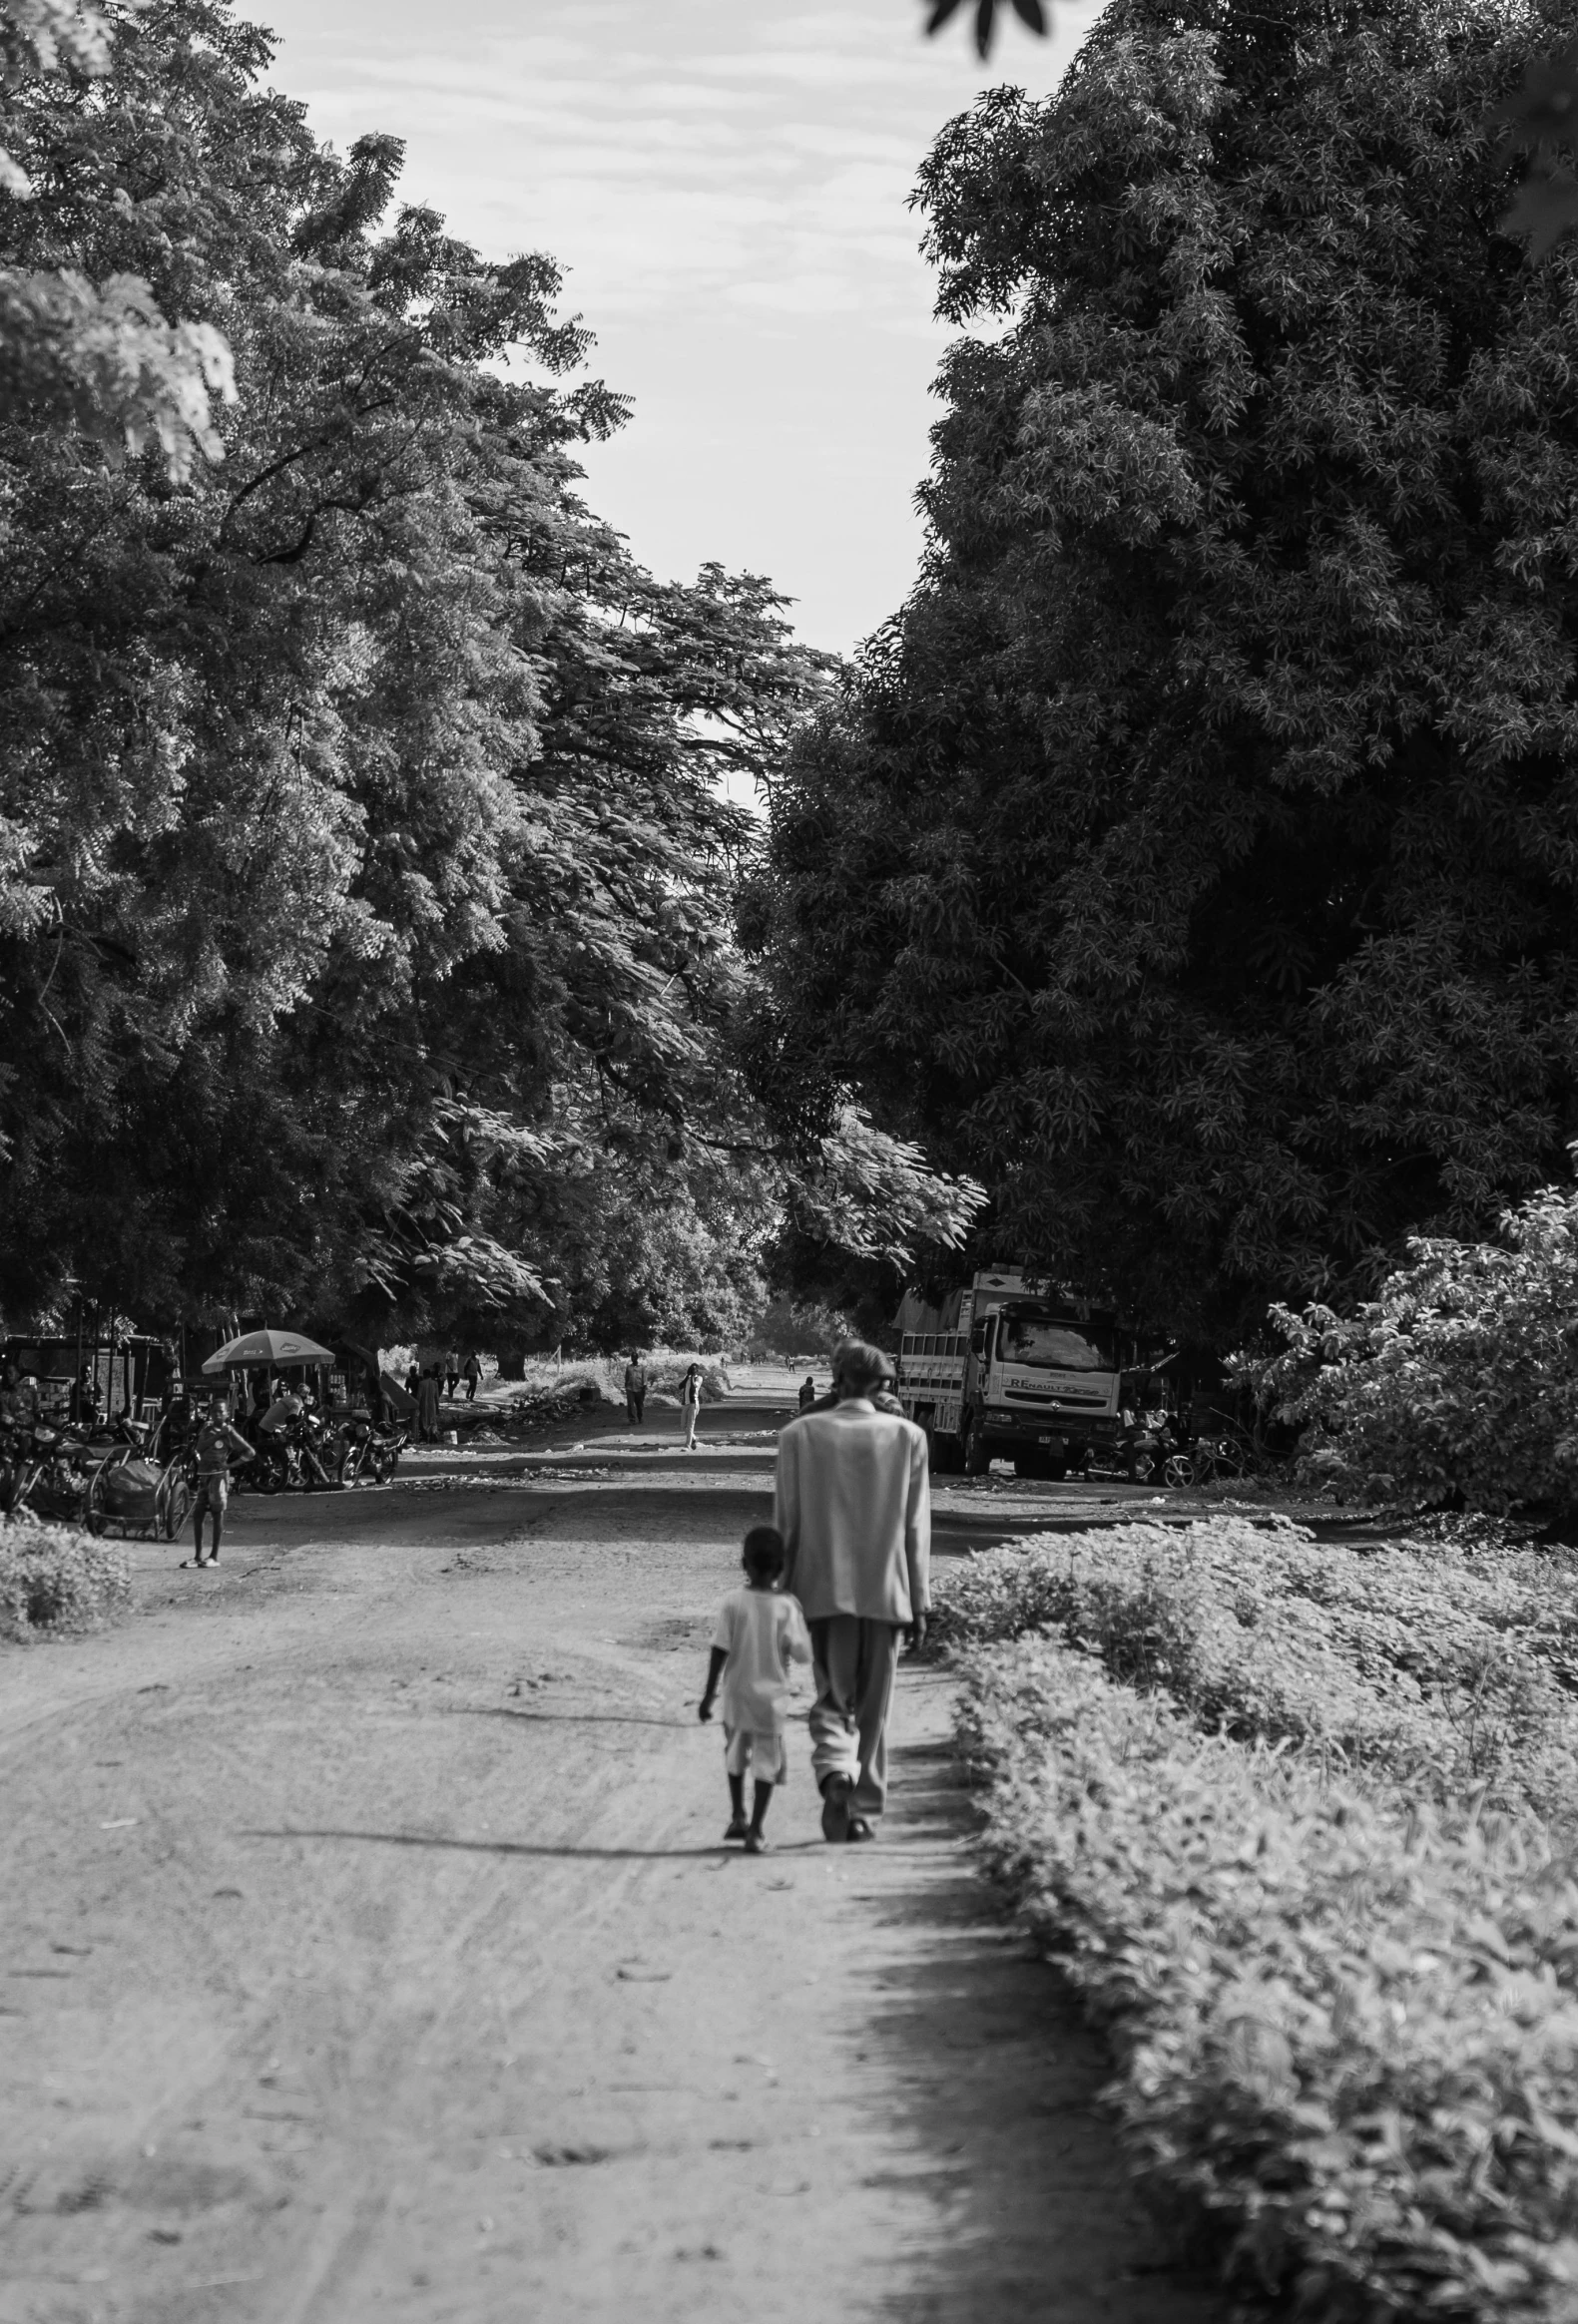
pixel 367 1950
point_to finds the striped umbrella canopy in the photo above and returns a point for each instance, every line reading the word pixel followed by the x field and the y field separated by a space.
pixel 268 1347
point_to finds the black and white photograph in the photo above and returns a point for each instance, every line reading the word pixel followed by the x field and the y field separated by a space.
pixel 789 1161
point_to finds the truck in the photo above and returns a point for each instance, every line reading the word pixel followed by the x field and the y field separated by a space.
pixel 1010 1366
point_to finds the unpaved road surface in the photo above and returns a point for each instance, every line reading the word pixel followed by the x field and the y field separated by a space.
pixel 367 1950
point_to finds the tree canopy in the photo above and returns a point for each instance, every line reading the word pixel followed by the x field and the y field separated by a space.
pixel 1194 856
pixel 365 863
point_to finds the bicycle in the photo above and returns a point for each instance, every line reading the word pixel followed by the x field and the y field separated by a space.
pixel 1207 1460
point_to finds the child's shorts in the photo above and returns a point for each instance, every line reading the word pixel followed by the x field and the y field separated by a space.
pixel 210 1496
pixel 746 1753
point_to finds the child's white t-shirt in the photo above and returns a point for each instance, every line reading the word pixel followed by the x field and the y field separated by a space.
pixel 763 1633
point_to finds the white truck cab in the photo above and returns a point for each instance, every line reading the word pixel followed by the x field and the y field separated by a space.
pixel 1011 1368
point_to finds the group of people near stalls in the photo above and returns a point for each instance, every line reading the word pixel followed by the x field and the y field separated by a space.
pixel 428 1384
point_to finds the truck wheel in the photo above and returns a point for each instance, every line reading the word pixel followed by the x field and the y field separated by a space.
pixel 977 1460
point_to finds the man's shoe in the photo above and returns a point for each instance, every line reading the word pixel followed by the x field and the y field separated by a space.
pixel 737 1828
pixel 836 1808
pixel 860 1829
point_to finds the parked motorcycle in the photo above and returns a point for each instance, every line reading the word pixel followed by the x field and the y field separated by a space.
pixel 372 1452
pixel 301 1457
pixel 49 1472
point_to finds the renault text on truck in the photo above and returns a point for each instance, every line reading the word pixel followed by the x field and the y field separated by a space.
pixel 1012 1368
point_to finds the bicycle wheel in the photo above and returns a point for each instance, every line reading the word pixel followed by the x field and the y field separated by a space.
pixel 177 1499
pixel 1178 1470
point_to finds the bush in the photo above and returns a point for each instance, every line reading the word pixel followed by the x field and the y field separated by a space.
pixel 1345 2024
pixel 1433 1671
pixel 664 1377
pixel 1461 1378
pixel 54 1582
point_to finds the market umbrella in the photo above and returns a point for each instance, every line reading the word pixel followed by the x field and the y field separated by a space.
pixel 267 1347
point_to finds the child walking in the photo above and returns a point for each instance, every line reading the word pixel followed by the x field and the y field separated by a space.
pixel 760 1633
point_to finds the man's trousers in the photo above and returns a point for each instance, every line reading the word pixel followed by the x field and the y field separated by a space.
pixel 853 1663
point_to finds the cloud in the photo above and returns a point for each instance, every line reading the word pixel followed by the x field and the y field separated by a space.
pixel 725 188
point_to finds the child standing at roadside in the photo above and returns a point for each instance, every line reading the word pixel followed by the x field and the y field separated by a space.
pixel 218 1444
pixel 760 1633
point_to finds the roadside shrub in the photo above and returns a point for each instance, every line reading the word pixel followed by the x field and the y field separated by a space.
pixel 1345 2024
pixel 602 1379
pixel 1434 1673
pixel 54 1582
pixel 1460 1378
pixel 665 1375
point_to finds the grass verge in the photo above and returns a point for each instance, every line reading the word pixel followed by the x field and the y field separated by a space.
pixel 1341 1998
pixel 55 1582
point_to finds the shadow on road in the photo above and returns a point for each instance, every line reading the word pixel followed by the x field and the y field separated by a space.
pixel 1001 2080
pixel 569 1719
pixel 512 1847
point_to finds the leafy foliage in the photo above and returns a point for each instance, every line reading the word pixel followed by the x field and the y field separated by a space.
pixel 103 357
pixel 1192 859
pixel 1426 1673
pixel 1029 11
pixel 1460 1378
pixel 1344 2022
pixel 1539 120
pixel 366 872
pixel 54 1582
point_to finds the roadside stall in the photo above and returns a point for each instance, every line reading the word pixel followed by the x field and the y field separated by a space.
pixel 304 1452
pixel 101 1370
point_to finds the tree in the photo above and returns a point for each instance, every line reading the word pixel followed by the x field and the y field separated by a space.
pixel 103 357
pixel 1192 857
pixel 1457 1382
pixel 366 879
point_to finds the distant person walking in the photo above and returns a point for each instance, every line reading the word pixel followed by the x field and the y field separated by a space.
pixel 690 1404
pixel 218 1444
pixel 853 1501
pixel 473 1370
pixel 427 1407
pixel 635 1389
pixel 808 1393
pixel 451 1373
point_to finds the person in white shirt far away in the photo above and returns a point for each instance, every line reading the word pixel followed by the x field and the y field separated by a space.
pixel 853 1503
pixel 760 1634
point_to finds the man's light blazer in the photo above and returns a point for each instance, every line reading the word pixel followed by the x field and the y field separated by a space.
pixel 853 1503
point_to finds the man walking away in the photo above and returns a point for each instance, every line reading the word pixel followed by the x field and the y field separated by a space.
pixel 451 1373
pixel 635 1389
pixel 808 1393
pixel 473 1376
pixel 853 1501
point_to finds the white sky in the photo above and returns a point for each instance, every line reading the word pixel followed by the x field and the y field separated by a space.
pixel 724 183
